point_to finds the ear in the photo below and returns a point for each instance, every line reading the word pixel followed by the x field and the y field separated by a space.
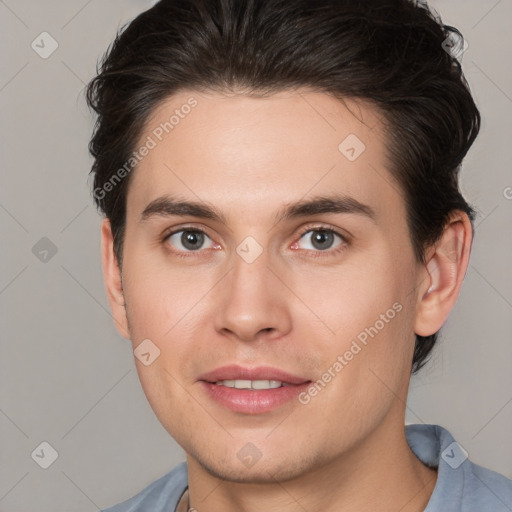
pixel 112 276
pixel 441 280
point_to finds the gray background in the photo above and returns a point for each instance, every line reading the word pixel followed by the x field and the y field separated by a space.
pixel 69 379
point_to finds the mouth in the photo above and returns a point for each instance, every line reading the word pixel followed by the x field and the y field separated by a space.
pixel 252 390
pixel 251 384
pixel 261 377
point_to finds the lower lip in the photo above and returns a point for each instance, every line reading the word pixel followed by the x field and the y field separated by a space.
pixel 253 401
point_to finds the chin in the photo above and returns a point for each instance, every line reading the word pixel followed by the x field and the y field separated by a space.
pixel 262 471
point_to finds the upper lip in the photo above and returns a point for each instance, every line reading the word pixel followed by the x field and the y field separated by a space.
pixel 236 372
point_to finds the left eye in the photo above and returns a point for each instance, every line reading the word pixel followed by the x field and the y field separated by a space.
pixel 322 239
pixel 190 240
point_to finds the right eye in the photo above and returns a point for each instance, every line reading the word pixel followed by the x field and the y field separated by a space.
pixel 188 240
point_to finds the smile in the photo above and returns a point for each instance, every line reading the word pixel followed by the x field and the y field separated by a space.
pixel 251 384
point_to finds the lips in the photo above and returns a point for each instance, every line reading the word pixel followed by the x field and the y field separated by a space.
pixel 235 372
pixel 252 390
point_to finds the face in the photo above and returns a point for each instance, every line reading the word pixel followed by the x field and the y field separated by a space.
pixel 326 294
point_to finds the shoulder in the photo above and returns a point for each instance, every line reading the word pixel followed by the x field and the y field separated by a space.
pixel 485 489
pixel 462 485
pixel 160 496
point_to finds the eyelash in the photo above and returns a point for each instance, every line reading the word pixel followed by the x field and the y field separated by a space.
pixel 307 229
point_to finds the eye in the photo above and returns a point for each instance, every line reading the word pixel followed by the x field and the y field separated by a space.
pixel 322 239
pixel 189 240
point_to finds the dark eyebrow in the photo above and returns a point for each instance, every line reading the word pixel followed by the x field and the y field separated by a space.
pixel 324 204
pixel 167 206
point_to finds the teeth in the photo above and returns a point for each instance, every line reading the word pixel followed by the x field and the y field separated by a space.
pixel 250 384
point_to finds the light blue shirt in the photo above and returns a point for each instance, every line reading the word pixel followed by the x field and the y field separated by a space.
pixel 461 486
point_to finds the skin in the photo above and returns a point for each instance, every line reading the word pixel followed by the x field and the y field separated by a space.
pixel 249 156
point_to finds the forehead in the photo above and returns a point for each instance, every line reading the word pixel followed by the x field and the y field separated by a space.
pixel 253 154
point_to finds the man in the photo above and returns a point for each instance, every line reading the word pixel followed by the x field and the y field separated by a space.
pixel 283 239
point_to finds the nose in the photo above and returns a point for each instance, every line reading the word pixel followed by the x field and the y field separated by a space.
pixel 253 303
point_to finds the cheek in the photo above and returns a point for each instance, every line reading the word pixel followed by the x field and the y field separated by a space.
pixel 368 339
pixel 349 300
pixel 162 298
pixel 165 391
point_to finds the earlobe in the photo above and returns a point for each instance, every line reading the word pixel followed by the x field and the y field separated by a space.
pixel 444 272
pixel 113 282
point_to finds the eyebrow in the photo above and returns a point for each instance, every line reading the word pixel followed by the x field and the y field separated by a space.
pixel 168 206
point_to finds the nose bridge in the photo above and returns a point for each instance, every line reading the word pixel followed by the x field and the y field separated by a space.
pixel 252 300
